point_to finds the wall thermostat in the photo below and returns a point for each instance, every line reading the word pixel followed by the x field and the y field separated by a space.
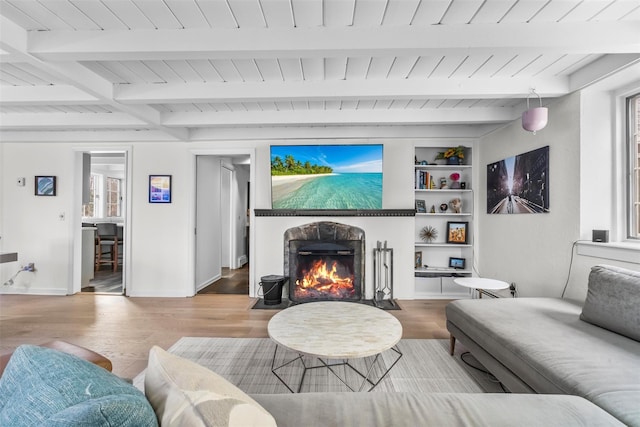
pixel 21 182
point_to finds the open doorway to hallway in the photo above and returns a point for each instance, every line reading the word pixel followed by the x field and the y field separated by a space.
pixel 103 222
pixel 222 224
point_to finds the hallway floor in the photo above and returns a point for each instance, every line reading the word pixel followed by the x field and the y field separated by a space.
pixel 235 282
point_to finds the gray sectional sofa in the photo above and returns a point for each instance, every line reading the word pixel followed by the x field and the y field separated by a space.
pixel 557 346
pixel 45 387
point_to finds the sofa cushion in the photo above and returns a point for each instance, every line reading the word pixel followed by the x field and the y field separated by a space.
pixel 613 298
pixel 184 393
pixel 404 409
pixel 41 386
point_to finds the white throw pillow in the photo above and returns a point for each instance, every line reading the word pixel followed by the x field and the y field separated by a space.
pixel 183 393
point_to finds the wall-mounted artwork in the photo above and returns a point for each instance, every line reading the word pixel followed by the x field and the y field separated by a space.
pixel 45 186
pixel 159 188
pixel 519 184
pixel 326 176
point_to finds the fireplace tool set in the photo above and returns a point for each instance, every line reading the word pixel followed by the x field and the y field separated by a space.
pixel 383 276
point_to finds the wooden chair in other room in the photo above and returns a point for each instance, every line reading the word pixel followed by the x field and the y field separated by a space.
pixel 107 244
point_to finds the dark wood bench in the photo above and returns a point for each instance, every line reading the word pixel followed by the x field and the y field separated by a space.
pixel 69 348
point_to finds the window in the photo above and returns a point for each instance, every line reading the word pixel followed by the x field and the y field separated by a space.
pixel 90 210
pixel 113 197
pixel 633 151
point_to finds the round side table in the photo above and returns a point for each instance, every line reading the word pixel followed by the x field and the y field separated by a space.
pixel 481 284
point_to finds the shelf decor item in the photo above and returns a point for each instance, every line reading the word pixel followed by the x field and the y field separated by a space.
pixel 453 155
pixel 457 263
pixel 457 232
pixel 428 234
pixel 454 180
pixel 456 205
pixel 418 260
pixel 421 206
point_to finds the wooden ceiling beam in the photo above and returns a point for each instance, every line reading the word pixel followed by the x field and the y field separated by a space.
pixel 341 90
pixel 593 37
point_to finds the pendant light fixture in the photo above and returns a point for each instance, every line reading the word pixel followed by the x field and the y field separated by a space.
pixel 535 119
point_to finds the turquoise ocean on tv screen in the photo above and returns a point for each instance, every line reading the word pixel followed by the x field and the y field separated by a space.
pixel 343 191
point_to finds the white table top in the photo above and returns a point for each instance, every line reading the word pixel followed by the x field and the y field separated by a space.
pixel 335 329
pixel 481 283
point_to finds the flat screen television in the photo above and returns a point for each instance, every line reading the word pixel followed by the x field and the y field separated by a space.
pixel 326 176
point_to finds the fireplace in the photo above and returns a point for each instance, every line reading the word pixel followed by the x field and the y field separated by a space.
pixel 325 262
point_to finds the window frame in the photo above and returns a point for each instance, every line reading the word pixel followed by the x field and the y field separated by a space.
pixel 108 192
pixel 632 161
pixel 95 181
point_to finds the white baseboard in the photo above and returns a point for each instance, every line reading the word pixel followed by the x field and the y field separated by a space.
pixel 12 290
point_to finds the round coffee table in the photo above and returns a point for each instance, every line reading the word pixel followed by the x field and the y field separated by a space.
pixel 335 330
pixel 481 284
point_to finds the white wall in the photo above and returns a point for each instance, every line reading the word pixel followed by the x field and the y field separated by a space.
pixel 31 224
pixel 162 251
pixel 534 250
pixel 161 236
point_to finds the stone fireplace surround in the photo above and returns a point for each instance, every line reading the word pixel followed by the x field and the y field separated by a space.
pixel 327 232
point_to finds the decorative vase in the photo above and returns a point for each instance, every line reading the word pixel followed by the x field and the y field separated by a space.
pixel 453 160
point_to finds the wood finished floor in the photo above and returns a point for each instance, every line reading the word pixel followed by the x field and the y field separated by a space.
pixel 124 329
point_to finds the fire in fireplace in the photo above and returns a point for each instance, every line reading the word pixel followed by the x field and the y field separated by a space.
pixel 325 271
pixel 324 261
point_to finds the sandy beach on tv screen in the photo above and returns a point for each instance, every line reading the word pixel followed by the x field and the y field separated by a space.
pixel 281 185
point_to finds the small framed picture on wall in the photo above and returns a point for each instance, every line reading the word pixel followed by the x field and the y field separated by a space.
pixel 45 185
pixel 159 188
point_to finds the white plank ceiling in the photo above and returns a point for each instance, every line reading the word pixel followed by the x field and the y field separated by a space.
pixel 172 68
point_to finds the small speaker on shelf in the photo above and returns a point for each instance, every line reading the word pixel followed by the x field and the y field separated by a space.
pixel 600 236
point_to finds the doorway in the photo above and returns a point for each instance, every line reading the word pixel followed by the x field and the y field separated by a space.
pixel 104 222
pixel 222 224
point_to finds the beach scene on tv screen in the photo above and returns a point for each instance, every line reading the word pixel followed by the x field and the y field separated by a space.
pixel 326 176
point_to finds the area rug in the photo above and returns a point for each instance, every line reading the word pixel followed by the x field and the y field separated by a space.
pixel 426 366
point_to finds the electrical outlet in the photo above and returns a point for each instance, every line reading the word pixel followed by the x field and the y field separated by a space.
pixel 61 216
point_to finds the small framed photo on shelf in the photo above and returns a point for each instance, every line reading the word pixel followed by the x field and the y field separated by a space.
pixel 457 232
pixel 159 188
pixel 421 206
pixel 418 260
pixel 457 263
pixel 45 186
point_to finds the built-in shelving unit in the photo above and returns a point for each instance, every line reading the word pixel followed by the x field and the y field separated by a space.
pixel 434 188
